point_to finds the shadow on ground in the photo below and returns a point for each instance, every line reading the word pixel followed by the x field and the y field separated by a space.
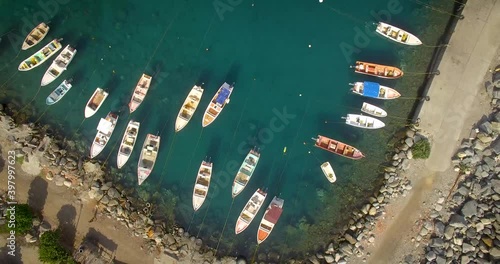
pixel 101 239
pixel 66 217
pixel 37 195
pixel 13 257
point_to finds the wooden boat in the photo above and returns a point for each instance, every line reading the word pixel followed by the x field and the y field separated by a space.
pixel 128 143
pixel 104 131
pixel 377 70
pixel 58 93
pixel 362 121
pixel 328 171
pixel 398 35
pixel 374 90
pixel 373 110
pixel 245 172
pixel 188 108
pixel 95 102
pixel 220 99
pixel 141 89
pixel 35 36
pixel 338 147
pixel 250 210
pixel 40 56
pixel 201 185
pixel 148 156
pixel 59 65
pixel 270 218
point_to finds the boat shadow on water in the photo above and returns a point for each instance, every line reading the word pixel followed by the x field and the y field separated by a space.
pixel 214 152
pixel 232 73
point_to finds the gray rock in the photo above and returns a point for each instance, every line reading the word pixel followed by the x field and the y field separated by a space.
pixel 313 260
pixel 478 145
pixel 464 259
pixel 495 126
pixel 466 248
pixel 436 243
pixel 329 259
pixel 457 221
pixel 439 228
pixel 486 127
pixel 495 146
pixel 409 142
pixel 440 260
pixel 44 226
pixel 113 202
pixel 49 176
pixel 410 133
pixel 409 154
pixel 405 165
pixel 59 180
pixel 373 211
pixel 104 199
pixel 495 253
pixel 30 239
pixel 484 138
pixel 430 256
pixel 113 193
pixel 350 239
pixel 469 209
pixel 67 183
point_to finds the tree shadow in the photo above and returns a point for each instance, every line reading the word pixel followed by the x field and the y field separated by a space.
pixel 101 239
pixel 66 217
pixel 14 257
pixel 37 195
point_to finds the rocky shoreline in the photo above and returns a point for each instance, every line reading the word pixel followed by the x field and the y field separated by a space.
pixel 72 170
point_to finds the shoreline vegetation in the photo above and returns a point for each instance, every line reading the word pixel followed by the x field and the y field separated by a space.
pixel 163 235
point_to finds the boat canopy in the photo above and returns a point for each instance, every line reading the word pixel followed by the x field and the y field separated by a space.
pixel 224 94
pixel 104 126
pixel 371 89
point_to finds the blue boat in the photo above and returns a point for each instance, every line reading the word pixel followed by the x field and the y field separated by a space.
pixel 58 93
pixel 220 99
pixel 374 90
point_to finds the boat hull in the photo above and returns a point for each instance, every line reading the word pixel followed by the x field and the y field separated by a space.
pixel 251 209
pixel 104 132
pixel 91 108
pixel 202 184
pixel 270 218
pixel 58 93
pixel 123 157
pixel 188 108
pixel 140 92
pixel 59 65
pixel 215 107
pixel 383 92
pixel 40 56
pixel 338 148
pixel 147 159
pixel 397 35
pixel 328 171
pixel 245 172
pixel 378 70
pixel 35 36
pixel 365 122
pixel 373 110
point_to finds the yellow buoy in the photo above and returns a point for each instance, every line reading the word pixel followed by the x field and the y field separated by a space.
pixel 284 150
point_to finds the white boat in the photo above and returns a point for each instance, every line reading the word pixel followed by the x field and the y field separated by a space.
pixel 95 102
pixel 219 101
pixel 374 90
pixel 398 35
pixel 128 143
pixel 148 157
pixel 104 131
pixel 373 110
pixel 270 218
pixel 328 171
pixel 245 172
pixel 362 121
pixel 58 93
pixel 188 108
pixel 250 210
pixel 140 91
pixel 201 185
pixel 59 65
pixel 40 56
pixel 35 36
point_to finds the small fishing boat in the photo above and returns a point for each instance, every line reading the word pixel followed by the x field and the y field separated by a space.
pixel 188 108
pixel 374 90
pixel 338 148
pixel 362 121
pixel 104 131
pixel 141 89
pixel 40 56
pixel 59 65
pixel 58 93
pixel 95 102
pixel 128 143
pixel 220 99
pixel 148 157
pixel 328 171
pixel 398 35
pixel 201 185
pixel 250 210
pixel 245 172
pixel 35 36
pixel 377 70
pixel 270 219
pixel 373 110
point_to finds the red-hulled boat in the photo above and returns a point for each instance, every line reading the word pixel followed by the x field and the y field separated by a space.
pixel 338 148
pixel 270 219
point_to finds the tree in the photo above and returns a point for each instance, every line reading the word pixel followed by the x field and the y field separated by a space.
pixel 51 250
pixel 22 217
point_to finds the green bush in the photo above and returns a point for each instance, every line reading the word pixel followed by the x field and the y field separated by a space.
pixel 51 250
pixel 421 149
pixel 23 219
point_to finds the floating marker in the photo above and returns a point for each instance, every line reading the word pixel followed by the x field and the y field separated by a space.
pixel 284 150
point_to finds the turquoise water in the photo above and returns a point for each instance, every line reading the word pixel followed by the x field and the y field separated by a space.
pixel 261 46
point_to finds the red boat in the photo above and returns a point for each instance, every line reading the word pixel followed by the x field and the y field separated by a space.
pixel 338 148
pixel 270 219
pixel 377 70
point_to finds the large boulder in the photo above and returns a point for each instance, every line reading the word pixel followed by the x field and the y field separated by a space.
pixel 457 221
pixel 495 146
pixel 469 209
pixel 486 127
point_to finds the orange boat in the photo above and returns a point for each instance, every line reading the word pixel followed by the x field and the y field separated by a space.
pixel 338 148
pixel 377 70
pixel 270 219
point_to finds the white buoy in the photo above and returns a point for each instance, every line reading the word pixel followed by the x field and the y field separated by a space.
pixel 310 45
pixel 321 1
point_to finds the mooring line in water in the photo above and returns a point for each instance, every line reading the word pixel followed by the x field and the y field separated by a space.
pixel 206 34
pixel 166 160
pixel 437 9
pixel 13 29
pixel 224 228
pixel 205 216
pixel 12 76
pixel 43 113
pixel 310 151
pixel 255 253
pixel 79 95
pixel 8 63
pixel 422 73
pixel 29 103
pixel 192 156
pixel 359 21
pixel 190 222
pixel 161 40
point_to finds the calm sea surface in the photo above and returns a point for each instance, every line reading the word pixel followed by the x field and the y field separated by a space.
pixel 289 61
